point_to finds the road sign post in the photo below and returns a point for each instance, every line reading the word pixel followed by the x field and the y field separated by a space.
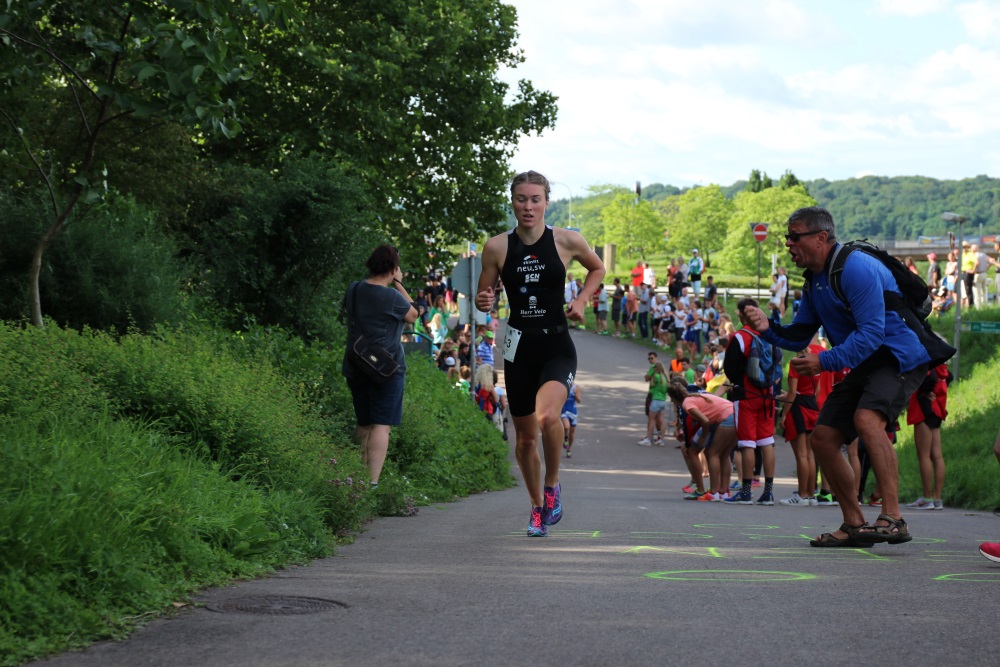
pixel 759 230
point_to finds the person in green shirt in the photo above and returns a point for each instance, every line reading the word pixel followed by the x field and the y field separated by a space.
pixel 658 383
pixel 688 372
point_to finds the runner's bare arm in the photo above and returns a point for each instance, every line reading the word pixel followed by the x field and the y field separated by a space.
pixel 490 275
pixel 572 246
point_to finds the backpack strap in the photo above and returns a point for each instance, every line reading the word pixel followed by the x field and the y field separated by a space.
pixel 349 312
pixel 836 267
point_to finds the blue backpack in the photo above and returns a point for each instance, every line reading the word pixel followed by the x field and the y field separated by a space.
pixel 763 362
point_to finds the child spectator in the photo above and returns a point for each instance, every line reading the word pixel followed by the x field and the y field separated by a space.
pixel 486 395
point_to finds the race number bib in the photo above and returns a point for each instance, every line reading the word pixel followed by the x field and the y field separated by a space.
pixel 511 337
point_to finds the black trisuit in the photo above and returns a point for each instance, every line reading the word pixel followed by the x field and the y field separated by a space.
pixel 533 277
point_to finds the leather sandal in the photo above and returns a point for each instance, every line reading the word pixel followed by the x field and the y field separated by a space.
pixel 894 533
pixel 830 540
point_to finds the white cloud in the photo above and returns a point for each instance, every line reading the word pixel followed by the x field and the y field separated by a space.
pixel 980 19
pixel 685 91
pixel 911 7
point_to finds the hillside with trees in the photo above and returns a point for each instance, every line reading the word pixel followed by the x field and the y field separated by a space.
pixel 876 207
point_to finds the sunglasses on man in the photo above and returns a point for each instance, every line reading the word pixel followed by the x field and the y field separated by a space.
pixel 795 237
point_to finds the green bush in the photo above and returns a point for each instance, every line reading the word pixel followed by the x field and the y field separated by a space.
pixel 136 469
pixel 110 269
pixel 967 437
pixel 279 247
pixel 444 448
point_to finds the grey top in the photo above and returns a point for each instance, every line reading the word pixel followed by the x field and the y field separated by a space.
pixel 379 317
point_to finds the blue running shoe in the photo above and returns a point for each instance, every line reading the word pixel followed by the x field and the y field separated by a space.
pixel 766 498
pixel 552 510
pixel 535 526
pixel 740 498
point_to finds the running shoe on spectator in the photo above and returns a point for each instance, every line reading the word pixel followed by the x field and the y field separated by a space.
pixel 709 497
pixel 921 503
pixel 938 504
pixel 645 442
pixel 535 526
pixel 991 550
pixel 766 498
pixel 690 488
pixel 795 500
pixel 825 499
pixel 873 501
pixel 740 498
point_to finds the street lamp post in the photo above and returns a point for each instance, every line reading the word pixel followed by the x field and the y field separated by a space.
pixel 569 222
pixel 959 288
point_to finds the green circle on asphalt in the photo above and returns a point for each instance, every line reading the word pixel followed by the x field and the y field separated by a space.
pixel 755 576
pixel 970 576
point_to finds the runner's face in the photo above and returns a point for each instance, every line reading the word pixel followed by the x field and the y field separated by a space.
pixel 529 204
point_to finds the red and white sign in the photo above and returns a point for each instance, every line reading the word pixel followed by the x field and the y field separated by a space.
pixel 759 230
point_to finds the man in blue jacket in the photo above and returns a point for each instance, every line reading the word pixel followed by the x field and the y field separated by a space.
pixel 887 362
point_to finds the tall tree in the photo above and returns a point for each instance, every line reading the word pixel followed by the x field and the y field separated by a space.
pixel 788 180
pixel 407 93
pixel 698 218
pixel 87 66
pixel 633 225
pixel 772 206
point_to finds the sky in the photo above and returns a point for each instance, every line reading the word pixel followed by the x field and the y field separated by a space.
pixel 694 92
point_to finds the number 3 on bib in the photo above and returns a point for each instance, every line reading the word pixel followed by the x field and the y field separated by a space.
pixel 511 337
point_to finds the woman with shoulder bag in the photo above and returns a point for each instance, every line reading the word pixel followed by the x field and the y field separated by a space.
pixel 377 308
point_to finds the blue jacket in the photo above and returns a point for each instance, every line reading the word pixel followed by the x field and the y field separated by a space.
pixel 855 332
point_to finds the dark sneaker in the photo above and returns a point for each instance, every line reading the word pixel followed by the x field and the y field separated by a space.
pixel 766 499
pixel 740 498
pixel 825 500
pixel 552 510
pixel 535 526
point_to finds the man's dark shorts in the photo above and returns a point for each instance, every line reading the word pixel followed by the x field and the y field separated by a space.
pixel 876 384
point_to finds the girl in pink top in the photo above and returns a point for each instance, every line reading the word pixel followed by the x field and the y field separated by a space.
pixel 717 434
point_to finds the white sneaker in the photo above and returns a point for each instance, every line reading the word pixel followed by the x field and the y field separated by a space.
pixel 921 503
pixel 645 442
pixel 795 500
pixel 938 505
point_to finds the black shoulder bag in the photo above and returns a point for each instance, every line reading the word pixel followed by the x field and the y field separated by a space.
pixel 373 360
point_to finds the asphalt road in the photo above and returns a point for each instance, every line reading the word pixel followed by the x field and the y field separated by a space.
pixel 633 575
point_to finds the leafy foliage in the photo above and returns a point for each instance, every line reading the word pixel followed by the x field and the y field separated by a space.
pixel 634 226
pixel 773 206
pixel 114 270
pixel 279 247
pixel 135 470
pixel 697 219
pixel 406 92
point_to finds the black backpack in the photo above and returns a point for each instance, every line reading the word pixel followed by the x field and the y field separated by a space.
pixel 913 306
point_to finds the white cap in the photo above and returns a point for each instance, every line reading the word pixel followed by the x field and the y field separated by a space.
pixel 449 361
pixel 695 251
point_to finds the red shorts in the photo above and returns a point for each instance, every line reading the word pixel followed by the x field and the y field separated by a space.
pixel 755 421
pixel 799 419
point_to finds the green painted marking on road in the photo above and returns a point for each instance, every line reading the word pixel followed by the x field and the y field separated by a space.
pixel 749 576
pixel 975 577
pixel 812 553
pixel 742 526
pixel 707 552
pixel 646 536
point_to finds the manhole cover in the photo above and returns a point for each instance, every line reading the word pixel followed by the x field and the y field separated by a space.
pixel 276 605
